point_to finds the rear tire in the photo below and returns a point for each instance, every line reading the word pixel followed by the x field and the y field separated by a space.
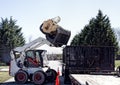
pixel 39 77
pixel 21 77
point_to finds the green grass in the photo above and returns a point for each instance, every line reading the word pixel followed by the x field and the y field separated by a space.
pixel 4 76
pixel 4 67
pixel 117 63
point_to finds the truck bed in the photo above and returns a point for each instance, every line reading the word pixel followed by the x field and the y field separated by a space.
pixel 86 79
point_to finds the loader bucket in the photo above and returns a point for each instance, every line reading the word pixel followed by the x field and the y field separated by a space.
pixel 58 37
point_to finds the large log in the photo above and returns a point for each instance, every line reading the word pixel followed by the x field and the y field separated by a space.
pixel 49 27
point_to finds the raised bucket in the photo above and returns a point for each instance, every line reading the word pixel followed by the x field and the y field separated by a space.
pixel 57 37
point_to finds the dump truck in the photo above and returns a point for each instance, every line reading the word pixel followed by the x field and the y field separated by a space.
pixel 89 65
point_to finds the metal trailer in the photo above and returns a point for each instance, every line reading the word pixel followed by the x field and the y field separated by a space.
pixel 87 60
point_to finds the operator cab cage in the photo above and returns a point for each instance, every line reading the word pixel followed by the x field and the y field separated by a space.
pixel 35 58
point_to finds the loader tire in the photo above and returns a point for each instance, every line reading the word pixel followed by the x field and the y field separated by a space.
pixel 118 71
pixel 39 77
pixel 21 77
pixel 51 75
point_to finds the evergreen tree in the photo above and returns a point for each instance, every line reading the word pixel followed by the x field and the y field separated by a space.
pixel 98 32
pixel 10 33
pixel 10 37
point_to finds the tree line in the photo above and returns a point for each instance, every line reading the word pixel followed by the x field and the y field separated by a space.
pixel 97 32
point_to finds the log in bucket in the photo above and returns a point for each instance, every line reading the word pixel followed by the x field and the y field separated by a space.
pixel 55 33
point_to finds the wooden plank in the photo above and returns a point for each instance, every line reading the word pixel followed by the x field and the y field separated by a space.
pixel 85 79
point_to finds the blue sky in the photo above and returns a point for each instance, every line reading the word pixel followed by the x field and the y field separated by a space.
pixel 75 14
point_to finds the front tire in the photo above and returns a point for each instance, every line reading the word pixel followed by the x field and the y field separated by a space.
pixel 21 77
pixel 51 75
pixel 39 77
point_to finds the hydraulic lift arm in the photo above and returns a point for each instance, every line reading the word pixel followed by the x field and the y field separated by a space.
pixel 30 46
pixel 34 44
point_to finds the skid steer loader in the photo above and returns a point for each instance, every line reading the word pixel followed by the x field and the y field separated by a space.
pixel 30 64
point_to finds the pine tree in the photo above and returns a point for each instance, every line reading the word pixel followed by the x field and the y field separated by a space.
pixel 10 37
pixel 98 32
pixel 10 33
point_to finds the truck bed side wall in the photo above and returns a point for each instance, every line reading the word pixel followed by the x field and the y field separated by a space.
pixel 85 59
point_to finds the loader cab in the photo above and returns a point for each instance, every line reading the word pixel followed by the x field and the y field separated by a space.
pixel 35 58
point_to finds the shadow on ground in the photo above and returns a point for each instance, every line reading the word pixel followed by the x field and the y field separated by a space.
pixel 31 83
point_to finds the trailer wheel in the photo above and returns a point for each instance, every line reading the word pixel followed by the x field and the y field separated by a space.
pixel 39 77
pixel 51 75
pixel 21 77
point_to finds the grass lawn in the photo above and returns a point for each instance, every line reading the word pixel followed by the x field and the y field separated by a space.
pixel 117 63
pixel 4 76
pixel 4 67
